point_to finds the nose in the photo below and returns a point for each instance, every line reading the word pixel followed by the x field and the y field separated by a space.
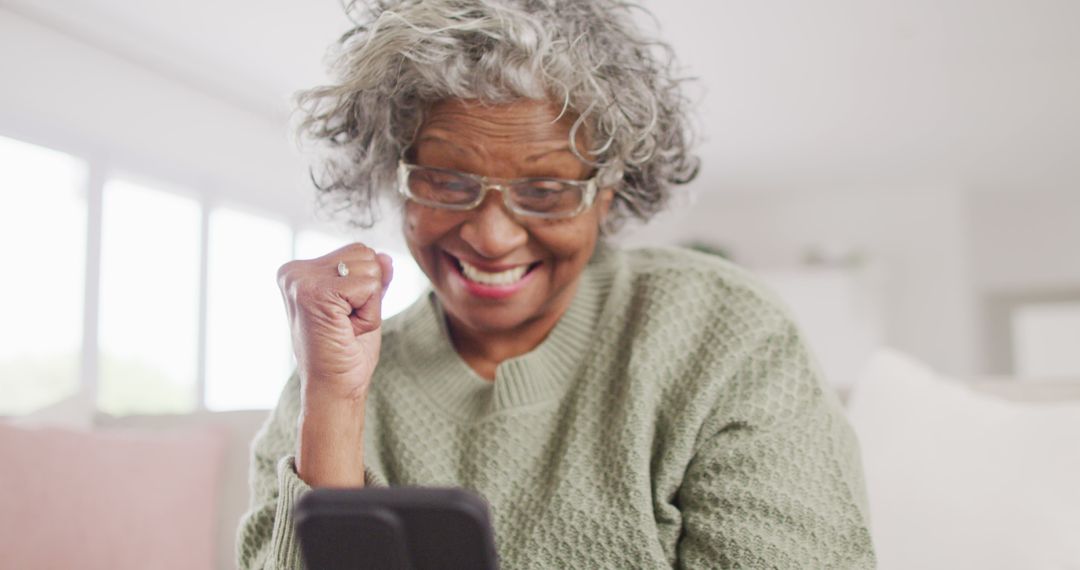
pixel 491 230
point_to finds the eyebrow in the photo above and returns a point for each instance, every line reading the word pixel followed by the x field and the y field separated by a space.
pixel 539 155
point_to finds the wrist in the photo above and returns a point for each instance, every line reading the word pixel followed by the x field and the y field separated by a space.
pixel 322 399
pixel 330 388
pixel 330 442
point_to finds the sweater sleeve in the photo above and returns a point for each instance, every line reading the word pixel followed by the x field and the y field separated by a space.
pixel 265 539
pixel 776 479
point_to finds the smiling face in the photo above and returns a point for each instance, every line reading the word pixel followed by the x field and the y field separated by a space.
pixel 496 273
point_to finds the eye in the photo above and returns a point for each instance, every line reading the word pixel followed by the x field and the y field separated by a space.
pixel 539 189
pixel 441 186
pixel 547 196
pixel 445 180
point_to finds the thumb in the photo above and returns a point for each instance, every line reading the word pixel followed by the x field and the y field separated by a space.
pixel 386 263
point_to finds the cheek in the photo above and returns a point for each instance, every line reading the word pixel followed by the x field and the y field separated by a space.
pixel 423 227
pixel 573 242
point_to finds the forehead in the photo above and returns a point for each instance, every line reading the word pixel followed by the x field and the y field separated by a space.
pixel 515 133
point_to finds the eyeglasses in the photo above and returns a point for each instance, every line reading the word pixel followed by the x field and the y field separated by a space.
pixel 546 198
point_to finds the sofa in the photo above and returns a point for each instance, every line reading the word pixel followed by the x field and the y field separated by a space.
pixel 971 474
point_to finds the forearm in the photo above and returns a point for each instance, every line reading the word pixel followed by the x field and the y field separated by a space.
pixel 330 442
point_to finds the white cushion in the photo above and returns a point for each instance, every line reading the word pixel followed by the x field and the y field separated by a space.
pixel 959 479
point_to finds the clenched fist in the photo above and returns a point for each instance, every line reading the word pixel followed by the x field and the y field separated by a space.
pixel 335 320
pixel 336 325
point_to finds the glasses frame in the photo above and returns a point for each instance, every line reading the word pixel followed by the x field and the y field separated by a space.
pixel 589 187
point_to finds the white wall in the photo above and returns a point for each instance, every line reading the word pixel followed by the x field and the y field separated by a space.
pixel 1026 250
pixel 978 92
pixel 62 93
pixel 1027 240
pixel 917 236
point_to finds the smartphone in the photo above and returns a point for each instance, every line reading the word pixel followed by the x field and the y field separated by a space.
pixel 394 528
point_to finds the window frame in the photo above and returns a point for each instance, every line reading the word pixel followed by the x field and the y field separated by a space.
pixel 101 168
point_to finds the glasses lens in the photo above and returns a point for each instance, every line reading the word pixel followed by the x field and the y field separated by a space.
pixel 442 187
pixel 546 197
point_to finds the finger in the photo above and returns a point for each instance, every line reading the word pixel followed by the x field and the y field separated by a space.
pixel 326 296
pixel 362 289
pixel 352 252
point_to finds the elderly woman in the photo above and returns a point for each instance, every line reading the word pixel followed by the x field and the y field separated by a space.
pixel 617 409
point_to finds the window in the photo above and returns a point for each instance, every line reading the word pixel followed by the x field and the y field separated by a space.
pixel 149 316
pixel 311 244
pixel 408 284
pixel 170 323
pixel 248 346
pixel 43 244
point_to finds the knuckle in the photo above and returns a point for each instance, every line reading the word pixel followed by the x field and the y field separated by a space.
pixel 369 270
pixel 359 251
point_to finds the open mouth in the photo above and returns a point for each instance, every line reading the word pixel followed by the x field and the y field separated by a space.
pixel 505 278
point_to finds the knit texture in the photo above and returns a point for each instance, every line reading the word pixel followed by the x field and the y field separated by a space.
pixel 673 418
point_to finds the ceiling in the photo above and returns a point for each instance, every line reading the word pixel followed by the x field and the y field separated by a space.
pixel 255 54
pixel 978 93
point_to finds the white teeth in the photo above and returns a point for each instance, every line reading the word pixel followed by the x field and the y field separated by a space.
pixel 501 278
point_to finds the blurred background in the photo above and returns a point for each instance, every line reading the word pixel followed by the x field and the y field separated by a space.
pixel 904 174
pixel 905 170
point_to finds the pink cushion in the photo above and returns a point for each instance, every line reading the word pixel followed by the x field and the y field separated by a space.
pixel 108 499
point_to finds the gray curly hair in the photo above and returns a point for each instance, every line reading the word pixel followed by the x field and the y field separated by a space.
pixel 403 56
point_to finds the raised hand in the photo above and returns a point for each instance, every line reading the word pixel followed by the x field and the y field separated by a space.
pixel 335 315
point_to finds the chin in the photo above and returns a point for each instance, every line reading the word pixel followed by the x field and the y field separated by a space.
pixel 488 317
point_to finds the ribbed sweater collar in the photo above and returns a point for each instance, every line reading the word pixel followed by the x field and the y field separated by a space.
pixel 537 376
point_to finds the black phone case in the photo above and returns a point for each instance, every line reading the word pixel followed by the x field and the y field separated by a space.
pixel 396 528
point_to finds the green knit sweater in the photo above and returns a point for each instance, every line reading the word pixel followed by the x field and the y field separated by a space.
pixel 672 418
